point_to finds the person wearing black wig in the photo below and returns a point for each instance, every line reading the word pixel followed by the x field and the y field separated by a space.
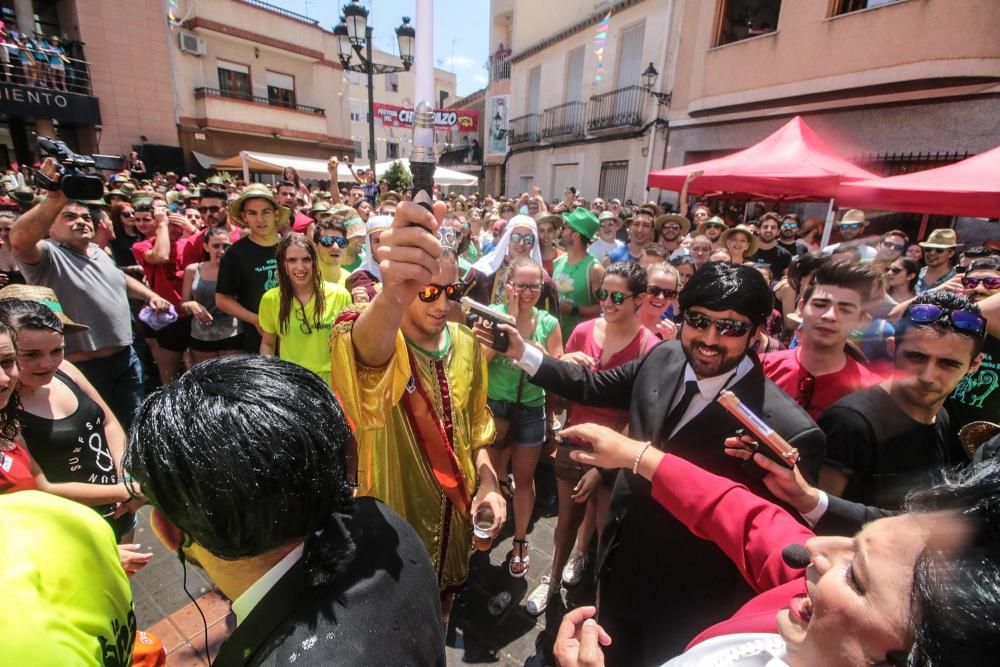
pixel 244 460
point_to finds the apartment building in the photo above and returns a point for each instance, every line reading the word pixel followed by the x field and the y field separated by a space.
pixel 579 112
pixel 896 85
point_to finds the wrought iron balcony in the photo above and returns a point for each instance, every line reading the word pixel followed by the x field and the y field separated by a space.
pixel 524 129
pixel 461 155
pixel 235 95
pixel 500 65
pixel 617 110
pixel 565 121
pixel 281 10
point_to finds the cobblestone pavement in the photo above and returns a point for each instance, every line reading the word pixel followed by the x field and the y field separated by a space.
pixel 475 636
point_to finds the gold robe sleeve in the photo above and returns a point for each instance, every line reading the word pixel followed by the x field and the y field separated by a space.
pixel 483 430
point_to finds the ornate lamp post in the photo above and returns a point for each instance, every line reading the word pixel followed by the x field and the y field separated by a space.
pixel 354 38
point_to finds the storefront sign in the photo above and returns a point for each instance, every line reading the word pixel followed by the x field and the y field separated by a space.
pixel 34 102
pixel 462 120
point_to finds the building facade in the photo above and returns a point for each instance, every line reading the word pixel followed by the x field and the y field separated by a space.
pixel 113 91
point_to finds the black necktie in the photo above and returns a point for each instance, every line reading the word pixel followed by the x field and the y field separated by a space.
pixel 690 389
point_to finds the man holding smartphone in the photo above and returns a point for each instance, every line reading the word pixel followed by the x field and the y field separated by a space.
pixel 414 387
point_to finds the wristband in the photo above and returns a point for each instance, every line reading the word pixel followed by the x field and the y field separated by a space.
pixel 638 458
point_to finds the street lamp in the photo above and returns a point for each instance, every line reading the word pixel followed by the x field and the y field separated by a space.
pixel 648 80
pixel 354 38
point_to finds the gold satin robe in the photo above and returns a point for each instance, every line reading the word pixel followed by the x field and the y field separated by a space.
pixel 391 466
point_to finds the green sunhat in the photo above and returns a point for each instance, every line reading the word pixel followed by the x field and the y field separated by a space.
pixel 583 221
pixel 258 191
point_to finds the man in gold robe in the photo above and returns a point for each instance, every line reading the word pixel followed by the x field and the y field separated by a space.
pixel 414 387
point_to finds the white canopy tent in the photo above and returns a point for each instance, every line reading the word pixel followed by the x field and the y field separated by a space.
pixel 443 177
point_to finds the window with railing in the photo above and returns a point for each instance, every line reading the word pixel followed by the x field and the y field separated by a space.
pixel 614 180
pixel 742 19
pixel 848 6
pixel 201 93
pixel 523 129
pixel 620 108
pixel 234 79
pixel 500 64
pixel 281 89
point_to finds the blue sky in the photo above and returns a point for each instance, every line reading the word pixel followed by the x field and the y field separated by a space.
pixel 461 31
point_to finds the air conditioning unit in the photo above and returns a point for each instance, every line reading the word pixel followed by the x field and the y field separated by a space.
pixel 193 44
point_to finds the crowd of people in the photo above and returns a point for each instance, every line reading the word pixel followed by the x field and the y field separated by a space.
pixel 331 397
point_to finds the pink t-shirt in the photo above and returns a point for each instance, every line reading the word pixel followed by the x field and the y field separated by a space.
pixel 815 393
pixel 582 340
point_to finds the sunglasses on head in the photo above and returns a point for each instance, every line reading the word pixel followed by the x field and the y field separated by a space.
pixel 329 241
pixel 665 292
pixel 617 298
pixel 526 239
pixel 969 282
pixel 453 292
pixel 963 321
pixel 725 327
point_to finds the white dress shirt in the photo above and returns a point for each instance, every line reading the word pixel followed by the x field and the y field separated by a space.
pixel 251 597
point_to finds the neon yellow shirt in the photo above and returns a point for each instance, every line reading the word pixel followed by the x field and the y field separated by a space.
pixel 304 341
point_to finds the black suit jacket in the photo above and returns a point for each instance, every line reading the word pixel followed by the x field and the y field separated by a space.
pixel 383 609
pixel 651 568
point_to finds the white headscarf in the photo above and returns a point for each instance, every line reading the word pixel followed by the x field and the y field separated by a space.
pixel 376 224
pixel 489 264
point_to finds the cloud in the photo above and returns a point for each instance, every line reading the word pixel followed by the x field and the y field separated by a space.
pixel 456 62
pixel 480 78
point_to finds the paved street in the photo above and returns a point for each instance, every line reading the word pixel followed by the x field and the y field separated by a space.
pixel 476 636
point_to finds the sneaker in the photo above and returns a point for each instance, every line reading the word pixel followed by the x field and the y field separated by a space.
pixel 575 567
pixel 539 598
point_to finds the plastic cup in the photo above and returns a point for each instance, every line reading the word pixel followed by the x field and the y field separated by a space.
pixel 482 528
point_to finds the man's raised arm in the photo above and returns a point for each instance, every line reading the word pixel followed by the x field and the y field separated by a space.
pixel 30 228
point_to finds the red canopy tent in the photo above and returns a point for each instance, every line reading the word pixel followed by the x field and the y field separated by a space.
pixel 970 187
pixel 794 162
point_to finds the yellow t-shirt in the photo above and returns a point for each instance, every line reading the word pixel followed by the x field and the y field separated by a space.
pixel 303 342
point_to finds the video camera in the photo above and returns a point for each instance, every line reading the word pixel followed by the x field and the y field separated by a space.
pixel 77 179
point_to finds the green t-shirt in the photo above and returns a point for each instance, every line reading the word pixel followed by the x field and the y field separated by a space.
pixel 505 376
pixel 302 342
pixel 353 265
pixel 573 283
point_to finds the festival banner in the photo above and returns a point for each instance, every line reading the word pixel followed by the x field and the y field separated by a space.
pixel 496 139
pixel 463 120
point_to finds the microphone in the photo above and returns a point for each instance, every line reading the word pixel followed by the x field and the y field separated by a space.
pixel 795 555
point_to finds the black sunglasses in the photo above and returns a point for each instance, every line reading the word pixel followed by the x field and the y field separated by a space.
pixel 725 327
pixel 209 209
pixel 894 246
pixel 453 292
pixel 661 291
pixel 893 270
pixel 963 321
pixel 329 241
pixel 617 298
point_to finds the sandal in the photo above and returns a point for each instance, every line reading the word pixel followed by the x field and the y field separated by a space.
pixel 518 565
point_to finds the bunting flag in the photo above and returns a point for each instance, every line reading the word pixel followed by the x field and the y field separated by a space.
pixel 600 38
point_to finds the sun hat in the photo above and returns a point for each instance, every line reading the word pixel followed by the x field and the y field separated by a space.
pixel 853 216
pixel 584 221
pixel 714 220
pixel 355 227
pixel 673 217
pixel 742 229
pixel 940 238
pixel 391 195
pixel 258 191
pixel 46 297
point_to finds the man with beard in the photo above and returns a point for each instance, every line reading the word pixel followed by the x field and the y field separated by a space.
pixel 212 208
pixel 713 228
pixel 939 250
pixel 672 229
pixel 768 250
pixel 649 566
pixel 886 440
pixel 788 236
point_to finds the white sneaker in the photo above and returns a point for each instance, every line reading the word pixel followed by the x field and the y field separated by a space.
pixel 539 598
pixel 575 567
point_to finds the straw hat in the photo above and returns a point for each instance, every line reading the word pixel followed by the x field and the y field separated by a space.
pixel 258 191
pixel 853 217
pixel 715 220
pixel 742 229
pixel 391 195
pixel 941 238
pixel 46 297
pixel 673 217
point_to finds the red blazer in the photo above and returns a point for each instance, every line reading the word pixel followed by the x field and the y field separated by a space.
pixel 750 531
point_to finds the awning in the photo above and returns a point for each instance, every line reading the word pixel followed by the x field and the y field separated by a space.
pixel 970 187
pixel 271 163
pixel 205 161
pixel 794 162
pixel 442 176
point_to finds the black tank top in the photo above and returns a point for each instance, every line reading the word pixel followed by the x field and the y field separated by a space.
pixel 74 448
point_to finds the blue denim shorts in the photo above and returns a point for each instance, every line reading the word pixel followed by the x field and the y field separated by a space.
pixel 527 422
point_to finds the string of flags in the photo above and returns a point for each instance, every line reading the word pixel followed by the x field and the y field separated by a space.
pixel 600 39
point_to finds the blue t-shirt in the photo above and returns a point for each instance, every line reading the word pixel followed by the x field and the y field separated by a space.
pixel 622 255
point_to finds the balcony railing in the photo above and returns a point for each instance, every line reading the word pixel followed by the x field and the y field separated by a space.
pixel 73 78
pixel 618 109
pixel 500 65
pixel 243 97
pixel 280 10
pixel 564 121
pixel 461 155
pixel 524 129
